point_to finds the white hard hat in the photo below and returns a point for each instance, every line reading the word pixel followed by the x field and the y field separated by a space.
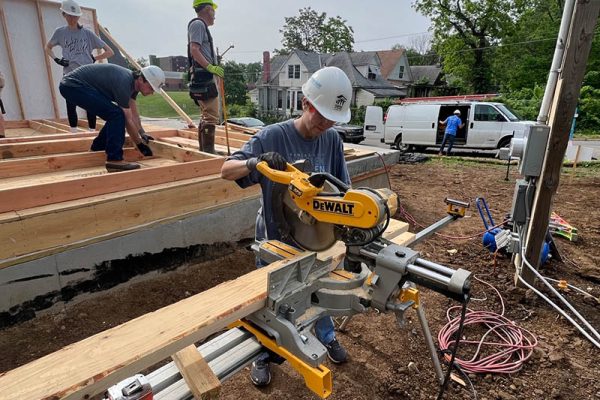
pixel 155 77
pixel 329 90
pixel 457 112
pixel 71 8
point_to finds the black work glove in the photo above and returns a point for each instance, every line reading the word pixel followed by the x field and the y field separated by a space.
pixel 144 149
pixel 273 159
pixel 61 61
pixel 146 138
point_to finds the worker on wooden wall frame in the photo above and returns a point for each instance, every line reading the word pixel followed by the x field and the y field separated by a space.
pixel 202 68
pixel 110 91
pixel 77 44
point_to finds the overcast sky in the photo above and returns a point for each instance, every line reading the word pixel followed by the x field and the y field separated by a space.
pixel 146 27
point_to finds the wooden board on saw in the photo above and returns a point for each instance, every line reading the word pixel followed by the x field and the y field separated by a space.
pixel 86 368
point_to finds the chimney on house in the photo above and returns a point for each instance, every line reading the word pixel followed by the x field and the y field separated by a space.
pixel 266 67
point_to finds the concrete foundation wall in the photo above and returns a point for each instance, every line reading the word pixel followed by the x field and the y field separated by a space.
pixel 35 285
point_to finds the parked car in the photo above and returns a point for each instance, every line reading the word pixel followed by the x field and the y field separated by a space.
pixel 350 133
pixel 247 122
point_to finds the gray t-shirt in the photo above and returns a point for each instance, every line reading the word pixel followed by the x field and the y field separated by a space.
pixel 114 82
pixel 326 154
pixel 198 33
pixel 77 46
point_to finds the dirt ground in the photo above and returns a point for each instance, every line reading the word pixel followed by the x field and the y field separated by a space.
pixel 563 366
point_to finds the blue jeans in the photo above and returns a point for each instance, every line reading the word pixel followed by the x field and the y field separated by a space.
pixel 112 136
pixel 450 138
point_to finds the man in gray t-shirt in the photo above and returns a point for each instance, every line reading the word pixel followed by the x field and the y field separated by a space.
pixel 327 96
pixel 202 63
pixel 110 91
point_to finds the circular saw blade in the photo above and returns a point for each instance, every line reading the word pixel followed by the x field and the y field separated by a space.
pixel 299 227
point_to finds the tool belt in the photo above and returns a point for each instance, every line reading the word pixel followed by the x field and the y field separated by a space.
pixel 202 85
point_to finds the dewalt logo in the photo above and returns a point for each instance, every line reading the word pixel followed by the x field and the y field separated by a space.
pixel 333 207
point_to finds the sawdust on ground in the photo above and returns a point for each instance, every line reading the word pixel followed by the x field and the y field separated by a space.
pixel 564 365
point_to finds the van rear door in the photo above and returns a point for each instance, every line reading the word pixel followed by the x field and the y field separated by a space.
pixel 374 123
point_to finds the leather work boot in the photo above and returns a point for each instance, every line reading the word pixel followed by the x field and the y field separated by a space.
pixel 207 139
pixel 201 127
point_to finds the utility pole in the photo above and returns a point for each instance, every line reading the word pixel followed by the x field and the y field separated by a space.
pixel 579 43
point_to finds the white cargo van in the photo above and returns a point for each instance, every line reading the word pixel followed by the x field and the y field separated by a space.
pixel 416 125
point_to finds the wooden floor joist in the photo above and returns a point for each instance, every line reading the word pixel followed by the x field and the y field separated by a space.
pixel 88 367
pixel 58 227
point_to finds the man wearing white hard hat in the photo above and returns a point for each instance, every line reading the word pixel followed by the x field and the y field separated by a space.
pixel 110 91
pixel 327 96
pixel 77 44
pixel 453 124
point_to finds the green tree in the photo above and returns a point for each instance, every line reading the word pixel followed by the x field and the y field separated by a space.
pixel 463 32
pixel 313 31
pixel 253 72
pixel 235 83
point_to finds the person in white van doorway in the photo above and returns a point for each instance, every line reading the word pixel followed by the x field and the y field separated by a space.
pixel 453 124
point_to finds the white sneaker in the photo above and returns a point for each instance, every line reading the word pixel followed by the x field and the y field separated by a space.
pixel 74 130
pixel 91 129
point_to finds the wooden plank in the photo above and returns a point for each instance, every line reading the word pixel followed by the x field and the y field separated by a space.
pixel 163 149
pixel 13 68
pixel 42 30
pixel 86 368
pixel 62 126
pixel 579 43
pixel 395 228
pixel 16 124
pixel 31 136
pixel 44 147
pixel 42 164
pixel 43 128
pixel 189 134
pixel 201 380
pixel 39 195
pixel 59 227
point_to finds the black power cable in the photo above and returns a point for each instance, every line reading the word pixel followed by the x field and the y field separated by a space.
pixel 461 326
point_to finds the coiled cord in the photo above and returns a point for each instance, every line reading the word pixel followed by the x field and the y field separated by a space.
pixel 503 348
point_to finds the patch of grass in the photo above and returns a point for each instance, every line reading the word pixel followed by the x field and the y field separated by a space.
pixel 156 107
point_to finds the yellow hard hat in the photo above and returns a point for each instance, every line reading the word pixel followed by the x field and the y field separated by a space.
pixel 200 2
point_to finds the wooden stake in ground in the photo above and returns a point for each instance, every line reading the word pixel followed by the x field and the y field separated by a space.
pixel 222 84
pixel 162 92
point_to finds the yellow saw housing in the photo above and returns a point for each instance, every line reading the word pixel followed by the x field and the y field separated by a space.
pixel 357 208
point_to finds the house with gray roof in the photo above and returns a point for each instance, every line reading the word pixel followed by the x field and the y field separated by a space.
pixel 280 89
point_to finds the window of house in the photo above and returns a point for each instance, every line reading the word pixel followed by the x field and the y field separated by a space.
pixel 299 96
pixel 371 74
pixel 401 72
pixel 290 100
pixel 280 99
pixel 294 71
pixel 487 113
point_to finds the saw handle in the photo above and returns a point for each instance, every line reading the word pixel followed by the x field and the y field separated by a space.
pixel 320 178
pixel 283 177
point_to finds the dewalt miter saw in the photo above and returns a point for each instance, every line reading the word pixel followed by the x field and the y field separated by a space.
pixel 314 212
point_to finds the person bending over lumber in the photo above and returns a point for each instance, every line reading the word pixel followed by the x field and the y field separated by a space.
pixel 110 91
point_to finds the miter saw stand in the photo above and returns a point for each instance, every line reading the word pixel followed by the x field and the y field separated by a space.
pixel 381 275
